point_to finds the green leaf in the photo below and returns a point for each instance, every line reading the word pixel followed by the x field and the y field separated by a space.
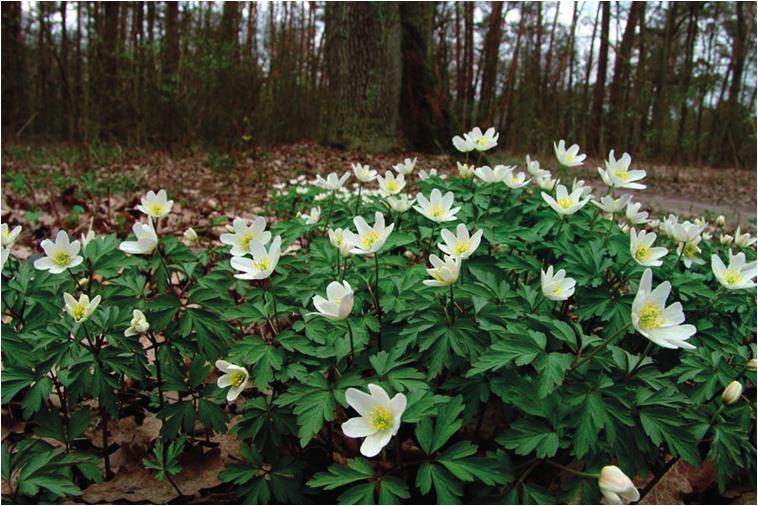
pixel 338 475
pixel 529 435
pixel 551 370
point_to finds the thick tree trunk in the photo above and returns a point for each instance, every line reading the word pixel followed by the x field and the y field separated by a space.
pixel 13 75
pixel 491 57
pixel 676 154
pixel 616 132
pixel 596 116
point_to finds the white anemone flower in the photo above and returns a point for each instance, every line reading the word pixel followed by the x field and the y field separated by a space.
pixel 580 184
pixel 610 205
pixel 190 235
pixel 743 240
pixel 337 238
pixel 4 254
pixel 364 173
pixel 60 255
pixel 80 310
pixel 616 487
pixel 461 244
pixel 8 236
pixel 483 141
pixel 146 242
pixel 312 217
pixel 368 240
pixel 391 185
pixel 492 176
pixel 565 203
pixel 514 180
pixel 400 203
pixel 424 174
pixel 726 239
pixel 379 418
pixel 443 273
pixel 533 168
pixel 263 263
pixel 546 182
pixel 737 275
pixel 332 182
pixel 642 250
pixel 633 214
pixel 463 144
pixel 138 325
pixel 618 175
pixel 653 319
pixel 243 234
pixel 437 208
pixel 338 303
pixel 683 232
pixel 568 157
pixel 556 286
pixel 465 171
pixel 156 205
pixel 235 377
pixel 405 167
pixel 689 252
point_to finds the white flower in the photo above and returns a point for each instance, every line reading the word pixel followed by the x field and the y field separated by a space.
pixel 515 181
pixel 633 214
pixel 492 176
pixel 545 182
pixel 423 174
pixel 263 263
pixel 364 173
pixel 737 275
pixel 437 208
pixel 60 255
pixel 4 254
pixel 463 144
pixel 465 171
pixel 138 325
pixel 682 232
pixel 689 251
pixel 616 487
pixel 190 235
pixel 87 238
pixel 405 167
pixel 642 250
pixel 720 220
pixel 80 310
pixel 312 217
pixel 726 239
pixel 7 236
pixel 732 393
pixel 579 184
pixel 338 303
pixel 332 182
pixel 379 418
pixel 568 157
pixel 533 168
pixel 618 175
pixel 368 240
pixel 301 190
pixel 391 185
pixel 556 286
pixel 460 245
pixel 156 206
pixel 146 241
pixel 565 203
pixel 660 324
pixel 482 141
pixel 443 273
pixel 707 236
pixel 243 234
pixel 337 238
pixel 400 203
pixel 235 377
pixel 743 240
pixel 610 205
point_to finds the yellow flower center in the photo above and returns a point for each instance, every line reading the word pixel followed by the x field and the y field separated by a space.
pixel 436 211
pixel 61 258
pixel 557 290
pixel 514 180
pixel 263 264
pixel 622 174
pixel 565 202
pixel 338 300
pixel 369 238
pixel 7 235
pixel 690 250
pixel 338 239
pixel 79 310
pixel 481 141
pixel 392 186
pixel 245 240
pixel 156 208
pixel 380 418
pixel 732 277
pixel 461 248
pixel 569 157
pixel 651 316
pixel 236 378
pixel 642 253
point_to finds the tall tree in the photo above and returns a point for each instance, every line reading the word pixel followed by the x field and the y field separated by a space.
pixel 13 74
pixel 598 98
pixel 491 57
pixel 617 99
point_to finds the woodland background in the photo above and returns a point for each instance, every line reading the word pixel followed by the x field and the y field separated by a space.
pixel 670 82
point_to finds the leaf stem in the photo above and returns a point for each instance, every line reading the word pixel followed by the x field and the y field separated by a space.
pixel 597 350
pixel 570 470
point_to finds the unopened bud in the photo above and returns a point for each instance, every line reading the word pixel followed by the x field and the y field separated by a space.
pixel 732 393
pixel 84 282
pixel 752 365
pixel 726 239
pixel 721 221
pixel 190 235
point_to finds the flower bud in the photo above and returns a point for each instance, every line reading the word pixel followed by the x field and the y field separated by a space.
pixel 84 282
pixel 752 365
pixel 190 235
pixel 726 239
pixel 721 221
pixel 732 393
pixel 616 487
pixel 707 236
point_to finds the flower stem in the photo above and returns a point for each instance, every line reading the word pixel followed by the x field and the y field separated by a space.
pixel 378 296
pixel 350 333
pixel 572 471
pixel 597 350
pixel 358 203
pixel 431 240
pixel 275 311
pixel 329 213
pixel 645 353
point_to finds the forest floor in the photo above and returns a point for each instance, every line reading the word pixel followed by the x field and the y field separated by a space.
pixel 49 188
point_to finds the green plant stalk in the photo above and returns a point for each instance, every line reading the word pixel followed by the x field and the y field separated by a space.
pixel 274 309
pixel 329 213
pixel 597 350
pixel 637 366
pixel 378 295
pixel 431 240
pixel 358 202
pixel 350 333
pixel 572 471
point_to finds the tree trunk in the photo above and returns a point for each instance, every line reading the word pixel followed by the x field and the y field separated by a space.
pixel 596 116
pixel 491 57
pixel 14 78
pixel 587 73
pixel 676 155
pixel 661 102
pixel 617 118
pixel 169 74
